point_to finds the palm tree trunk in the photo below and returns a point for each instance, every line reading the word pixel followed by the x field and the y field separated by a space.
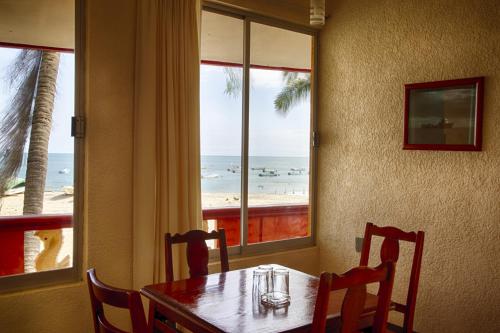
pixel 36 169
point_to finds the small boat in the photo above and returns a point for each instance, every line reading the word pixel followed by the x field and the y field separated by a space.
pixel 269 173
pixel 210 176
pixel 64 171
pixel 296 171
pixel 234 168
pixel 444 123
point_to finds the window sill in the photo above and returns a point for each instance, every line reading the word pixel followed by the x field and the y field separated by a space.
pixel 41 281
pixel 305 259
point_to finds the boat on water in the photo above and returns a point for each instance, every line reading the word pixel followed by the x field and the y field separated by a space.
pixel 64 171
pixel 210 176
pixel 296 171
pixel 234 168
pixel 269 173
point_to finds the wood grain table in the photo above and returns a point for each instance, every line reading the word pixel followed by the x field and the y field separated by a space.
pixel 223 302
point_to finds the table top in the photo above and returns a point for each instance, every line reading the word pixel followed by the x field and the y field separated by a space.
pixel 222 302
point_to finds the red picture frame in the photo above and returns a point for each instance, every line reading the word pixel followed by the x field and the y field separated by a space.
pixel 444 115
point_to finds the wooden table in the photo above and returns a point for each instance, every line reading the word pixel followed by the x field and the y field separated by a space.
pixel 222 302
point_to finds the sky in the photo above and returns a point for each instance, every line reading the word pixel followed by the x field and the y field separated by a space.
pixel 270 133
pixel 60 136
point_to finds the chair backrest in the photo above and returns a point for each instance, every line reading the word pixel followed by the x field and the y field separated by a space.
pixel 101 293
pixel 390 251
pixel 355 282
pixel 196 251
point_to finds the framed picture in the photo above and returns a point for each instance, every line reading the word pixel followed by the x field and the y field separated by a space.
pixel 444 115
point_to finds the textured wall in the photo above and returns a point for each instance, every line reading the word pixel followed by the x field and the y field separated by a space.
pixel 304 260
pixel 369 50
pixel 108 222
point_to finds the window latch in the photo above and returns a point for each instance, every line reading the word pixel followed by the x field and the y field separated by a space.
pixel 77 127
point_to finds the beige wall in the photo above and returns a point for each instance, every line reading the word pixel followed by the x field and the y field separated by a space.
pixel 305 260
pixel 108 218
pixel 369 50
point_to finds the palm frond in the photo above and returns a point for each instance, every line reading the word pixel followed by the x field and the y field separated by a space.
pixel 16 121
pixel 234 81
pixel 296 90
pixel 289 77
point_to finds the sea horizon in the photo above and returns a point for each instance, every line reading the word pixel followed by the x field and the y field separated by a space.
pixel 219 173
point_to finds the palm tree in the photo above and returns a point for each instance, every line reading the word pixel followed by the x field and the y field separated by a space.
pixel 41 124
pixel 33 77
pixel 297 88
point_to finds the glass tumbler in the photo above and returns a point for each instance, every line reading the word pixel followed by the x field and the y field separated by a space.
pixel 260 283
pixel 269 270
pixel 279 295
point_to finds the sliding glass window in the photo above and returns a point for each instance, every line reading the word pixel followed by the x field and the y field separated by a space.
pixel 39 175
pixel 256 129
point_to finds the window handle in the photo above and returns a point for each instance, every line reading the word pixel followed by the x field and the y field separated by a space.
pixel 78 127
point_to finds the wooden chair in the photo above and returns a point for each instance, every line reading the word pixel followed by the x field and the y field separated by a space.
pixel 390 251
pixel 127 299
pixel 355 282
pixel 197 258
pixel 196 252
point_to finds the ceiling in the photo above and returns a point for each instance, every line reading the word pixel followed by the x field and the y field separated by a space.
pixel 49 23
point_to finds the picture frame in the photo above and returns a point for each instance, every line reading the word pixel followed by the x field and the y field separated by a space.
pixel 444 115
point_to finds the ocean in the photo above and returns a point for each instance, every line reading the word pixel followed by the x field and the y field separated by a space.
pixel 219 174
pixel 267 175
pixel 60 171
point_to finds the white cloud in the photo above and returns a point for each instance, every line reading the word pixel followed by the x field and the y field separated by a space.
pixel 262 78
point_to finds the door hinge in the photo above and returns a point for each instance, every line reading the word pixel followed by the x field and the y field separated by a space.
pixel 315 140
pixel 78 127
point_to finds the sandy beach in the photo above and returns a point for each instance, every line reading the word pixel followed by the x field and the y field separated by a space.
pixel 218 200
pixel 56 202
pixel 60 203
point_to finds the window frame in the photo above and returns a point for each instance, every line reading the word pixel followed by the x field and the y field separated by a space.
pixel 26 281
pixel 245 249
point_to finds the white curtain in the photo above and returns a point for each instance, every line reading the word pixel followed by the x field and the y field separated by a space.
pixel 166 132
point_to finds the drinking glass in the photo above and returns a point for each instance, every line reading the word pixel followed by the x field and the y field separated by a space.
pixel 279 295
pixel 269 270
pixel 260 283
